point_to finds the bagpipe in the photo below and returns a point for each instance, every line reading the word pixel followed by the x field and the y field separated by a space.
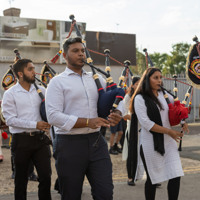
pixel 178 112
pixel 47 73
pixel 42 106
pixel 108 100
pixel 109 81
pixel 124 75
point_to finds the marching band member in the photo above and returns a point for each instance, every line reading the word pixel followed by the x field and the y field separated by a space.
pixel 158 148
pixel 129 140
pixel 21 109
pixel 116 131
pixel 71 106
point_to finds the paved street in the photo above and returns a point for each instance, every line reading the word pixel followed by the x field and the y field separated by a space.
pixel 190 183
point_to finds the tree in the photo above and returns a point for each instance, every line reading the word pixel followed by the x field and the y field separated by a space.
pixel 140 60
pixel 159 60
pixel 176 62
pixel 168 64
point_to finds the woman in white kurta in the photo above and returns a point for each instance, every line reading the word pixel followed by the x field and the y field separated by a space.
pixel 133 164
pixel 159 166
pixel 127 114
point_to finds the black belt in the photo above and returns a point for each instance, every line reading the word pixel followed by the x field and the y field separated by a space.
pixel 77 135
pixel 30 133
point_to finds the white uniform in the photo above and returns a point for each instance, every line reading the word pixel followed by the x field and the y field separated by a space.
pixel 160 168
pixel 126 102
pixel 140 167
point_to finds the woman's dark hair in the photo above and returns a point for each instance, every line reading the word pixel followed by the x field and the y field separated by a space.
pixel 131 90
pixel 144 87
pixel 20 65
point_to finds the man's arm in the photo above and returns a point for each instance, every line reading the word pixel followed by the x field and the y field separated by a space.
pixel 54 104
pixel 91 123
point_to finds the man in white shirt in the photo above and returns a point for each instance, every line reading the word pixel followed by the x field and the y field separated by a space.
pixel 71 105
pixel 21 110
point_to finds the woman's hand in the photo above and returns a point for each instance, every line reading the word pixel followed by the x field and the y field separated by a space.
pixel 176 135
pixel 185 128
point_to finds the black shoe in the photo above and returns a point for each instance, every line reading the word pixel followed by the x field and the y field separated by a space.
pixel 113 151
pixel 131 183
pixel 118 149
pixel 33 177
pixel 158 185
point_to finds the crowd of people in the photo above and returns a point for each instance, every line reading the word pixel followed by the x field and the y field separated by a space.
pixel 79 147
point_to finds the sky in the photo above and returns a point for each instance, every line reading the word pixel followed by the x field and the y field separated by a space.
pixel 158 24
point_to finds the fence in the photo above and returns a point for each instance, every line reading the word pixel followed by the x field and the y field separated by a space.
pixel 182 89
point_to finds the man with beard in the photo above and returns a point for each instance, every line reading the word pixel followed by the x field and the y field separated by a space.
pixel 21 109
pixel 71 105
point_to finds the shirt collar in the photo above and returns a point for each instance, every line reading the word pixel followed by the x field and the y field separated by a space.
pixel 69 72
pixel 19 88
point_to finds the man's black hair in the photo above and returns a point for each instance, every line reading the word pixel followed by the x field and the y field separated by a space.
pixel 20 65
pixel 70 41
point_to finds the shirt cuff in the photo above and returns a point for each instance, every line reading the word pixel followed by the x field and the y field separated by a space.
pixel 149 125
pixel 32 124
pixel 71 121
pixel 121 108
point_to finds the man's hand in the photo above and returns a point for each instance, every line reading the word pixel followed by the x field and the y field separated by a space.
pixel 43 126
pixel 115 117
pixel 98 122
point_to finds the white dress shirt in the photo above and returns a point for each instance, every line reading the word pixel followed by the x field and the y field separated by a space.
pixel 21 108
pixel 70 96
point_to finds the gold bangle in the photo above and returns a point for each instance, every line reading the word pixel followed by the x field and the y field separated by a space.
pixel 87 122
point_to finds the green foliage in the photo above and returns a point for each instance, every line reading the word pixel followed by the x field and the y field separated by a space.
pixel 141 62
pixel 169 64
pixel 159 60
pixel 177 61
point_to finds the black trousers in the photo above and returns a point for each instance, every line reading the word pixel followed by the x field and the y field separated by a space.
pixel 30 169
pixel 150 189
pixel 26 148
pixel 76 156
pixel 124 126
